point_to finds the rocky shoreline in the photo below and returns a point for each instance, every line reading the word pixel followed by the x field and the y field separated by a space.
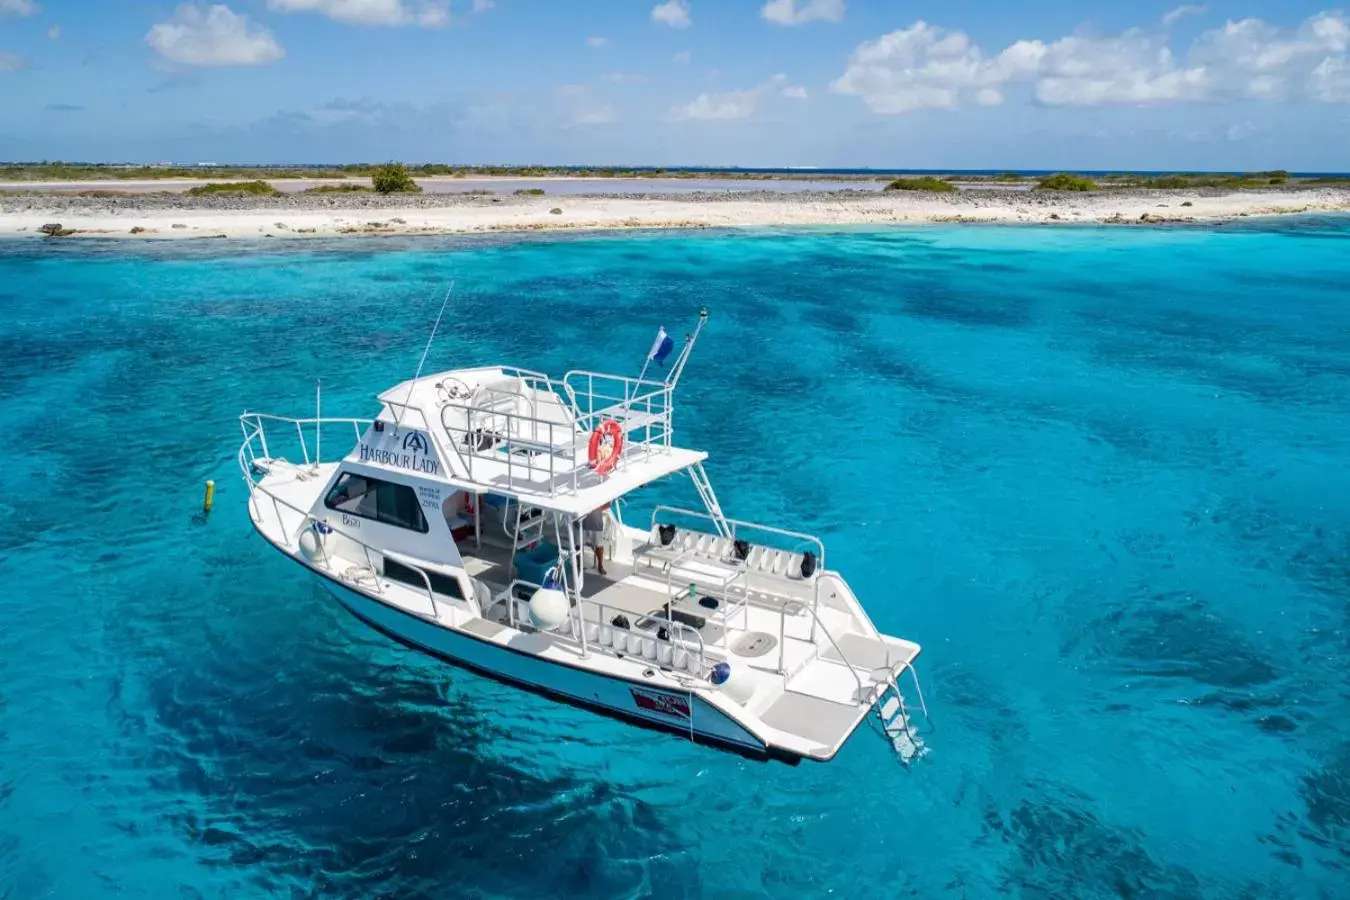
pixel 172 200
pixel 167 214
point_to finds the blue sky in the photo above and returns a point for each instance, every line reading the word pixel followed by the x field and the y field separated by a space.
pixel 901 83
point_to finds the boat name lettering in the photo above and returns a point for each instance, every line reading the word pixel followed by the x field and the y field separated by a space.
pixel 666 704
pixel 416 461
pixel 350 521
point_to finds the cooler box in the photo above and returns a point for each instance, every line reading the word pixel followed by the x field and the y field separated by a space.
pixel 533 565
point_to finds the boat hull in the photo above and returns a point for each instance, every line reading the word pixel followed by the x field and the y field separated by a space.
pixel 677 712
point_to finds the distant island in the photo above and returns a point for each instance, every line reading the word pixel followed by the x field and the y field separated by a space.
pixel 63 200
pixel 67 171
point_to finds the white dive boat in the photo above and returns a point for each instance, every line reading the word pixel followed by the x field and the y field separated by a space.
pixel 464 523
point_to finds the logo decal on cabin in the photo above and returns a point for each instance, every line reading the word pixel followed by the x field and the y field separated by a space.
pixel 665 704
pixel 415 442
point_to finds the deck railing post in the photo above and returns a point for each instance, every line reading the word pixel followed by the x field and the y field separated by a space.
pixel 304 447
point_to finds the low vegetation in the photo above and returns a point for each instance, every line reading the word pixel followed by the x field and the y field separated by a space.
pixel 339 189
pixel 253 188
pixel 529 192
pixel 1066 182
pixel 1186 180
pixel 925 183
pixel 394 178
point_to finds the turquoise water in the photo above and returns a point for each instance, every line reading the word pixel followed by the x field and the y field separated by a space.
pixel 1101 475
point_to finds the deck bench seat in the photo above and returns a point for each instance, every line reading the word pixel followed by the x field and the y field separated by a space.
pixel 770 575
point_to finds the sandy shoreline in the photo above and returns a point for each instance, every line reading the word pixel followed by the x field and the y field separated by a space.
pixel 175 216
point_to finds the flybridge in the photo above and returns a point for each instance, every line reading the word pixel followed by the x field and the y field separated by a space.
pixel 585 438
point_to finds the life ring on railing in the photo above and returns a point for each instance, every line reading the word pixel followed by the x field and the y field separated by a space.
pixel 468 504
pixel 606 447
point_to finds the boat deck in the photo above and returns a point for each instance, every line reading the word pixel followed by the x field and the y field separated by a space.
pixel 809 692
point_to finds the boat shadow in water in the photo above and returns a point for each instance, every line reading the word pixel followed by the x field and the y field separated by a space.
pixel 348 778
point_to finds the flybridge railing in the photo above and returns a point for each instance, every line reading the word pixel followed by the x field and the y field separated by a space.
pixel 643 408
pixel 531 454
pixel 503 437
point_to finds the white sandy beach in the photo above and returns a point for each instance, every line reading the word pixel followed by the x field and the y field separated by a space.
pixel 258 217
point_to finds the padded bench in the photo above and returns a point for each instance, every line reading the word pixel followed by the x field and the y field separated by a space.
pixel 772 575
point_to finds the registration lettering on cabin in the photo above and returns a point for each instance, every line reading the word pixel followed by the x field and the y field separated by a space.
pixel 408 450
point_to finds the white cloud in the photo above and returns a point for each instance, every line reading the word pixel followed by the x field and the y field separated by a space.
pixel 925 67
pixel 20 8
pixel 799 12
pixel 480 6
pixel 597 42
pixel 683 57
pixel 795 92
pixel 1186 9
pixel 731 105
pixel 674 13
pixel 1254 59
pixel 54 32
pixel 1134 68
pixel 11 62
pixel 1330 81
pixel 423 13
pixel 214 36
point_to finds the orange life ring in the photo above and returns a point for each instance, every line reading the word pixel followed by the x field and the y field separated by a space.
pixel 606 447
pixel 468 504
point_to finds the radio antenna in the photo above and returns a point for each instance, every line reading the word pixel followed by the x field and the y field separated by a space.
pixel 434 328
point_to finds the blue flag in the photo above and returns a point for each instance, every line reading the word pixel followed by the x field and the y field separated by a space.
pixel 661 347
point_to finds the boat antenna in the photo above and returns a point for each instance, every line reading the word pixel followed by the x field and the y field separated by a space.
pixel 427 349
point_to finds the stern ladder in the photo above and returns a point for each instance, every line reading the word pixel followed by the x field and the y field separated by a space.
pixel 894 715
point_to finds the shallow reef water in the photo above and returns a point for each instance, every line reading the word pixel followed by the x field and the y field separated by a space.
pixel 1100 474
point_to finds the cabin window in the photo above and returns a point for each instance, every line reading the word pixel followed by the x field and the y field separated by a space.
pixel 387 502
pixel 440 582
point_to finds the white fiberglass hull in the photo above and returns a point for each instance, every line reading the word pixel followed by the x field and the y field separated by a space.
pixel 678 712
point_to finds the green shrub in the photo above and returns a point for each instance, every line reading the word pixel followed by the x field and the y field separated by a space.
pixel 339 189
pixel 1167 182
pixel 258 188
pixel 1066 182
pixel 393 178
pixel 530 192
pixel 926 183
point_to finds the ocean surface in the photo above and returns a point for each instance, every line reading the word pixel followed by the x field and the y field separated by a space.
pixel 1102 475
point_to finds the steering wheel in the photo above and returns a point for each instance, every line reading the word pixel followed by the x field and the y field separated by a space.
pixel 452 389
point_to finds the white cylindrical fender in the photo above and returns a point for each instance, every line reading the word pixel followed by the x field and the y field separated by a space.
pixel 734 681
pixel 549 609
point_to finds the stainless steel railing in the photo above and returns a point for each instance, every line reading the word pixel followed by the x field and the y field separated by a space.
pixel 255 430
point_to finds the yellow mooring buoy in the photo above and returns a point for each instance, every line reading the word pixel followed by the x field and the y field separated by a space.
pixel 210 496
